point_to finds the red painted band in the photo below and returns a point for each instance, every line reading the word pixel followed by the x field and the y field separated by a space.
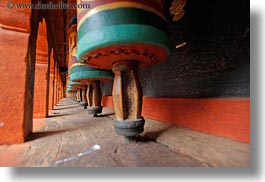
pixel 93 4
pixel 227 117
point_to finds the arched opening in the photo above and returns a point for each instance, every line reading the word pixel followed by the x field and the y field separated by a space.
pixel 41 73
pixel 51 80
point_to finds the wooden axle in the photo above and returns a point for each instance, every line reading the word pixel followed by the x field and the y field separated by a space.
pixel 72 95
pixel 94 96
pixel 78 95
pixel 83 98
pixel 127 98
pixel 75 95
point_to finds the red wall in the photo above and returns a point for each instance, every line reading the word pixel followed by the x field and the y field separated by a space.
pixel 13 86
pixel 227 117
pixel 40 87
pixel 41 69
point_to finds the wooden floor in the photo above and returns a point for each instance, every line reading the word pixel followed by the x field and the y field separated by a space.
pixel 72 138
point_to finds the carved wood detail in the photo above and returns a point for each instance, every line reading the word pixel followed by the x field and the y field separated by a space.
pixel 127 91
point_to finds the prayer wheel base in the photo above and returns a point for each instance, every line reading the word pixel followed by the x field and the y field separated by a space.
pixel 94 110
pixel 129 128
pixel 83 104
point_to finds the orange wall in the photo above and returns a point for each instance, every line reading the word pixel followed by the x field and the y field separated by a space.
pixel 15 122
pixel 51 92
pixel 227 117
pixel 13 48
pixel 40 87
pixel 41 69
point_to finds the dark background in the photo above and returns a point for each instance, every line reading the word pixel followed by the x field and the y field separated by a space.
pixel 216 60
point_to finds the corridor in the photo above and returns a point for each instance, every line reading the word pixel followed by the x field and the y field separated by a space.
pixel 125 83
pixel 69 137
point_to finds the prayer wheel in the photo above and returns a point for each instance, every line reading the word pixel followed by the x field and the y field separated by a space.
pixel 90 77
pixel 79 92
pixel 71 91
pixel 123 35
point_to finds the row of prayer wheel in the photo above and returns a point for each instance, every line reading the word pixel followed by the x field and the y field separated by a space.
pixel 85 79
pixel 116 36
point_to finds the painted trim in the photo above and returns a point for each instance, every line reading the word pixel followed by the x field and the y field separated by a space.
pixel 116 5
pixel 226 117
pixel 80 72
pixel 121 16
pixel 77 64
pixel 121 35
pixel 86 76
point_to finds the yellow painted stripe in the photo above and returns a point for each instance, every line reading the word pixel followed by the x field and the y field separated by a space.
pixel 77 64
pixel 115 5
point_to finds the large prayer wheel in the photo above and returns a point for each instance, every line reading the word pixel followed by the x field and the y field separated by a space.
pixel 70 88
pixel 72 91
pixel 79 91
pixel 118 30
pixel 123 35
pixel 80 72
pixel 72 38
pixel 90 77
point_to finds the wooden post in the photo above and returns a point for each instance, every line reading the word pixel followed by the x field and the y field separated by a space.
pixel 78 94
pixel 75 95
pixel 94 96
pixel 127 98
pixel 84 98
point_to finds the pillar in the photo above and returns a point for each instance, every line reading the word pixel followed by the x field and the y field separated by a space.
pixel 40 88
pixel 16 71
pixel 41 71
pixel 56 85
pixel 51 82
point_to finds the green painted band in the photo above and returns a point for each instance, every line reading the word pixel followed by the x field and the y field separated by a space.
pixel 85 72
pixel 121 16
pixel 74 84
pixel 71 88
pixel 68 90
pixel 91 74
pixel 84 67
pixel 119 35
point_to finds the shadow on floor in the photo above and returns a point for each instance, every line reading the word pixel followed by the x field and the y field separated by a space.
pixel 38 135
pixel 153 135
pixel 43 134
pixel 147 137
pixel 68 107
pixel 104 115
pixel 60 115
